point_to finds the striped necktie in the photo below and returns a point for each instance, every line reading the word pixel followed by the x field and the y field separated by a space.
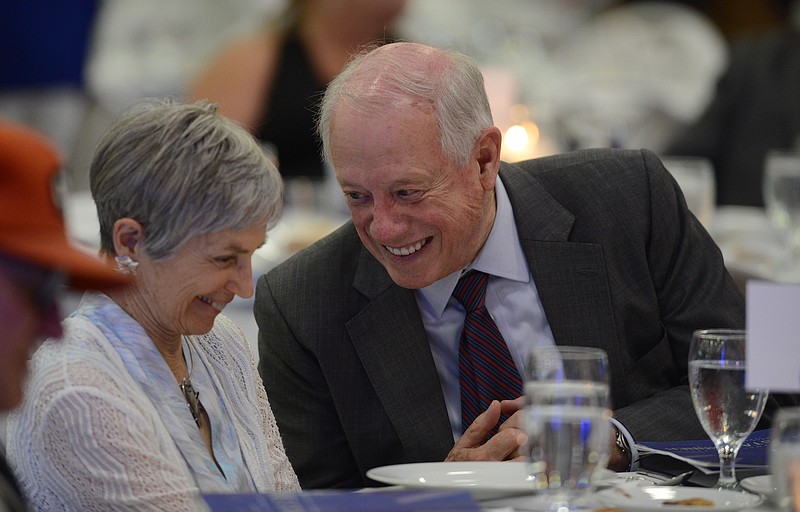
pixel 486 369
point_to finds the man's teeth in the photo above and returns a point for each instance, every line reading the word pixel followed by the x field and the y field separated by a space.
pixel 216 305
pixel 405 251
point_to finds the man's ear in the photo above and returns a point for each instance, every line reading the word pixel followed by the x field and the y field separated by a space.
pixel 127 235
pixel 487 149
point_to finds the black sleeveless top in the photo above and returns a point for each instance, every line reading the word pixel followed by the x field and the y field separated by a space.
pixel 289 122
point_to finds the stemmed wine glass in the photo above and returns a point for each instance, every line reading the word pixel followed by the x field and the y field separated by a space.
pixel 567 421
pixel 727 410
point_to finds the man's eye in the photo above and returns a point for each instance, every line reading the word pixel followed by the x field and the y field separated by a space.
pixel 409 194
pixel 355 197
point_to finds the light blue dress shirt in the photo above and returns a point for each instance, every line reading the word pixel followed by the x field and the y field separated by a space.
pixel 510 285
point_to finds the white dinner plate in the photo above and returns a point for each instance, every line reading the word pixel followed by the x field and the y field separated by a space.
pixel 762 484
pixel 658 498
pixel 485 480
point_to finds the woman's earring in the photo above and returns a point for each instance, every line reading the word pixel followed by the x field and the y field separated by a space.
pixel 125 265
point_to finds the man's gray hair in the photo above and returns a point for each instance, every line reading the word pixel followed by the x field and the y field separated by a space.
pixel 407 74
pixel 181 170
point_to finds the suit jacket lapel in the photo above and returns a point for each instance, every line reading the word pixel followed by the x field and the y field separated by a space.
pixel 390 339
pixel 570 276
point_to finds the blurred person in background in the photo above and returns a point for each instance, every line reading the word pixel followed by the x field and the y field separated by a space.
pixel 36 259
pixel 158 392
pixel 594 248
pixel 271 81
pixel 756 108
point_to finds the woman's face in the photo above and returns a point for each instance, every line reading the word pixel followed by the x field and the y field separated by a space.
pixel 184 293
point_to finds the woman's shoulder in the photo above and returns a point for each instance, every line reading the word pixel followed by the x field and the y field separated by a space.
pixel 80 359
pixel 238 75
pixel 80 337
pixel 249 52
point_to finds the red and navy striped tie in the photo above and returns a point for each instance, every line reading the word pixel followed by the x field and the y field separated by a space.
pixel 487 371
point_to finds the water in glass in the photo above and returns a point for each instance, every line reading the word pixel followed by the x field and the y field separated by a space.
pixel 727 410
pixel 567 421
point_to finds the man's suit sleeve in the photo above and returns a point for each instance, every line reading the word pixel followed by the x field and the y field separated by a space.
pixel 297 390
pixel 694 290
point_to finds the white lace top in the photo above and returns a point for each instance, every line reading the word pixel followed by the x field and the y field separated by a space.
pixel 104 425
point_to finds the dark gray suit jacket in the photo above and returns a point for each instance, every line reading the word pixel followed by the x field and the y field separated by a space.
pixel 618 261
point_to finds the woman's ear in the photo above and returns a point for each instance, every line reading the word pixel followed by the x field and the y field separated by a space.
pixel 127 235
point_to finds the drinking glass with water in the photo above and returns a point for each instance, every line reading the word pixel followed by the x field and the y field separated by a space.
pixel 567 421
pixel 725 407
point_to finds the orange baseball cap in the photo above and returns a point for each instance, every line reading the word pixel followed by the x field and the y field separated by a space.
pixel 31 221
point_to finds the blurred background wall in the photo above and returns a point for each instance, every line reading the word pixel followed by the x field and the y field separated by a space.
pixel 574 73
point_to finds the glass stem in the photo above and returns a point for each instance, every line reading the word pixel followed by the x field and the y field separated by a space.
pixel 727 470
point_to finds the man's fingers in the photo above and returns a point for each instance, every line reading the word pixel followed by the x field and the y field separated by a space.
pixel 505 444
pixel 476 434
pixel 509 407
pixel 502 446
pixel 514 421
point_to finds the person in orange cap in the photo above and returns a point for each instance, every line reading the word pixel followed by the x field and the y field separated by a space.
pixel 36 259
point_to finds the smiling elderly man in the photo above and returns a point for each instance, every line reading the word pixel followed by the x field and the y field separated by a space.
pixel 359 334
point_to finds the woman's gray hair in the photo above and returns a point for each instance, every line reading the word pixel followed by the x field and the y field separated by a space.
pixel 450 82
pixel 181 170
